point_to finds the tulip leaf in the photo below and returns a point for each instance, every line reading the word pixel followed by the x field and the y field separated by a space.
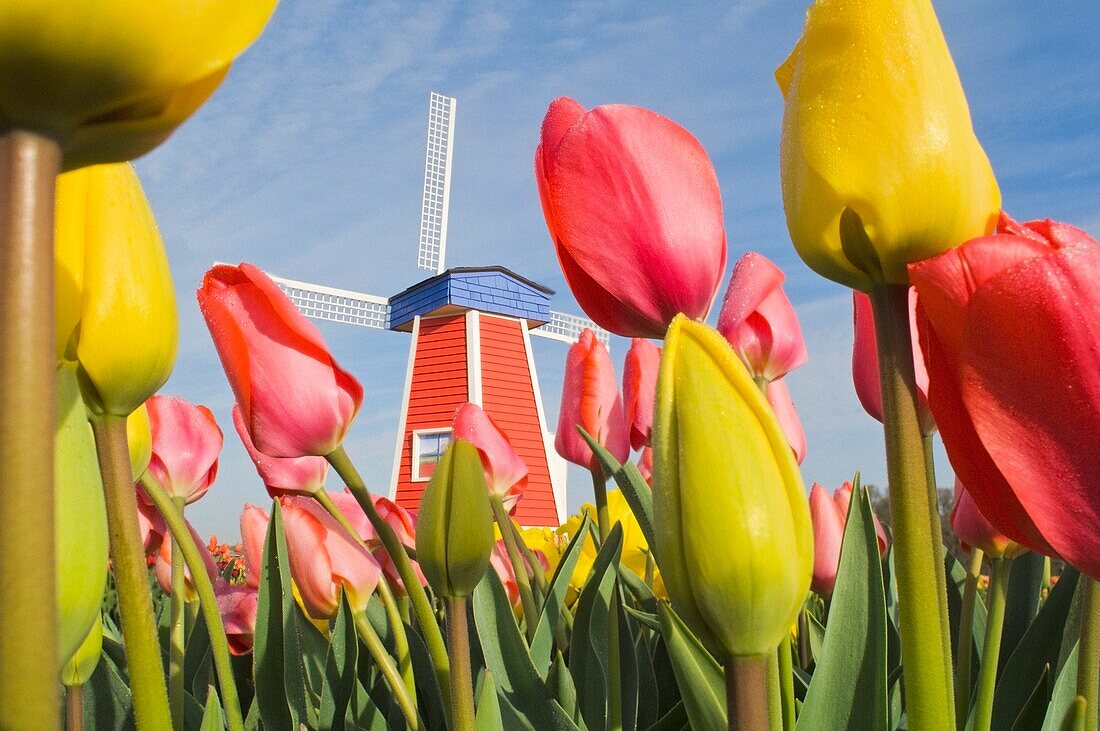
pixel 698 674
pixel 675 720
pixel 212 718
pixel 1022 603
pixel 848 689
pixel 630 481
pixel 645 618
pixel 340 665
pixel 956 585
pixel 561 685
pixel 551 616
pixel 648 709
pixel 1034 710
pixel 488 706
pixel 280 674
pixel 198 661
pixel 520 688
pixel 1038 648
pixel 1062 697
pixel 107 699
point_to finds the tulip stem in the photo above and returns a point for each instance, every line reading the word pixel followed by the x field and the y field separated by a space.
pixel 991 651
pixel 786 684
pixel 1088 658
pixel 208 601
pixel 918 552
pixel 150 694
pixel 422 608
pixel 614 680
pixel 388 669
pixel 458 645
pixel 177 637
pixel 537 572
pixel 74 707
pixel 599 490
pixel 963 664
pixel 747 693
pixel 775 701
pixel 29 164
pixel 519 567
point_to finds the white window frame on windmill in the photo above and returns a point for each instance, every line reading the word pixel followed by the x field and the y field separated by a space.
pixel 418 435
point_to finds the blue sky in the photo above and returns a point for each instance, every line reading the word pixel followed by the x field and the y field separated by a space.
pixel 309 162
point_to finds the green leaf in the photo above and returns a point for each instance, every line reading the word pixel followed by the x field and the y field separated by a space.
pixel 675 720
pixel 1022 604
pixel 956 583
pixel 561 685
pixel 340 664
pixel 648 712
pixel 107 700
pixel 197 661
pixel 816 633
pixel 644 618
pixel 280 676
pixel 1062 698
pixel 212 719
pixel 551 617
pixel 314 646
pixel 1034 710
pixel 488 707
pixel 848 689
pixel 630 481
pixel 518 683
pixel 702 684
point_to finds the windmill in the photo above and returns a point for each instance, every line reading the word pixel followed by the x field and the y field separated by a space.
pixel 471 329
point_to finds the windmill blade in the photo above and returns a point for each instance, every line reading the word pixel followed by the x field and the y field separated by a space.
pixel 568 328
pixel 336 305
pixel 437 183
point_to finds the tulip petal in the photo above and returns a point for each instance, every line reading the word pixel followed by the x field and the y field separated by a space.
pixel 504 468
pixel 828 522
pixel 282 475
pixel 186 443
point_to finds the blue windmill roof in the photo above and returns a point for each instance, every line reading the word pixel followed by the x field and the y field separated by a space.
pixel 494 290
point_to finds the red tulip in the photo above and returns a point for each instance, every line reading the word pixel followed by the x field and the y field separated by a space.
pixel 294 399
pixel 865 361
pixel 640 389
pixel 186 444
pixel 238 604
pixel 759 321
pixel 780 399
pixel 829 516
pixel 505 471
pixel 324 558
pixel 163 565
pixel 645 464
pixel 974 531
pixel 254 523
pixel 402 522
pixel 590 399
pixel 1014 384
pixel 632 204
pixel 283 475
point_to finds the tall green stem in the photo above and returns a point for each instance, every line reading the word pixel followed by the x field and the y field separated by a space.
pixel 920 576
pixel 519 568
pixel 177 637
pixel 775 700
pixel 537 572
pixel 135 604
pixel 388 669
pixel 1088 654
pixel 422 608
pixel 747 693
pixel 991 651
pixel 29 164
pixel 963 664
pixel 208 601
pixel 615 678
pixel 786 684
pixel 458 645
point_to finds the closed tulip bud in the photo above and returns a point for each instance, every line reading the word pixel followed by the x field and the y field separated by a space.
pixel 843 498
pixel 865 145
pixel 115 305
pixel 590 399
pixel 238 605
pixel 254 523
pixel 163 565
pixel 186 445
pixel 640 389
pixel 402 522
pixel 759 320
pixel 731 521
pixel 282 475
pixel 139 439
pixel 111 80
pixel 829 515
pixel 79 668
pixel 455 525
pixel 779 398
pixel 974 531
pixel 505 471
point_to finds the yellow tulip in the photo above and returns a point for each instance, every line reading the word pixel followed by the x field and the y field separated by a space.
pixel 115 306
pixel 731 519
pixel 78 670
pixel 876 122
pixel 139 438
pixel 111 79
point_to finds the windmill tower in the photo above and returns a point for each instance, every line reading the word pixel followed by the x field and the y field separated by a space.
pixel 471 333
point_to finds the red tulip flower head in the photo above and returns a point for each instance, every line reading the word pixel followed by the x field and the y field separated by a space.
pixel 759 321
pixel 186 445
pixel 163 565
pixel 237 604
pixel 865 361
pixel 1014 327
pixel 283 475
pixel 779 397
pixel 505 471
pixel 254 523
pixel 829 515
pixel 633 207
pixel 590 399
pixel 974 531
pixel 294 399
pixel 643 360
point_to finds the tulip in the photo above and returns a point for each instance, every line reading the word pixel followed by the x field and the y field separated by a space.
pixel 254 522
pixel 112 80
pixel 828 522
pixel 283 475
pixel 864 142
pixel 186 444
pixel 139 439
pixel 163 566
pixel 974 531
pixel 505 471
pixel 402 522
pixel 238 605
pixel 79 668
pixel 150 524
pixel 324 558
pixel 639 389
pixel 115 305
pixel 502 565
pixel 294 399
pixel 843 498
pixel 1013 382
pixel 590 399
pixel 632 204
pixel 779 398
pixel 731 521
pixel 759 320
pixel 645 465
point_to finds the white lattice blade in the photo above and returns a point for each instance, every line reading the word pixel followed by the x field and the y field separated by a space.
pixel 437 183
pixel 568 328
pixel 336 305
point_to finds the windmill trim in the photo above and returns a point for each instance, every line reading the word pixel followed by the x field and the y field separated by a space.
pixel 402 420
pixel 473 364
pixel 435 203
pixel 555 463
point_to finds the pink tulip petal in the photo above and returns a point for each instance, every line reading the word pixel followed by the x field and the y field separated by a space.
pixel 640 389
pixel 310 564
pixel 780 399
pixel 972 528
pixel 254 523
pixel 505 471
pixel 590 399
pixel 186 442
pixel 828 524
pixel 282 475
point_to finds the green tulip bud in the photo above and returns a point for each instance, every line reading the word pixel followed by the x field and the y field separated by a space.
pixel 731 519
pixel 454 532
pixel 81 665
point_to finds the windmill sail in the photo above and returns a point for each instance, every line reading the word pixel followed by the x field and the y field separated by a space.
pixel 568 328
pixel 437 183
pixel 336 305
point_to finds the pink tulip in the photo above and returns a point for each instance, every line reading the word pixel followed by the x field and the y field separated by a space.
pixel 632 204
pixel 828 523
pixel 645 464
pixel 238 605
pixel 402 522
pixel 150 523
pixel 759 321
pixel 865 362
pixel 163 565
pixel 974 531
pixel 254 522
pixel 590 399
pixel 294 399
pixel 640 389
pixel 324 558
pixel 283 475
pixel 186 444
pixel 780 399
pixel 1011 346
pixel 505 471
pixel 843 497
